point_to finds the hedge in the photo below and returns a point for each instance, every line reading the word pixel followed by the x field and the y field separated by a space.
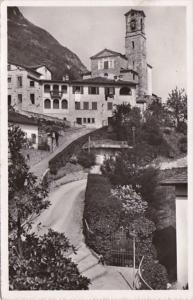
pixel 102 215
pixel 63 157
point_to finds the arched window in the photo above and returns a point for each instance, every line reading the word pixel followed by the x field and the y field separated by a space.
pixel 64 104
pixel 105 74
pixel 46 88
pixel 56 104
pixel 55 88
pixel 47 104
pixel 125 91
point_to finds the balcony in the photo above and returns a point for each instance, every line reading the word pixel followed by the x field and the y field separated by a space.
pixel 56 94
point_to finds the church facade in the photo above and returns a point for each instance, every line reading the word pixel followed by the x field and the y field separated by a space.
pixel 114 79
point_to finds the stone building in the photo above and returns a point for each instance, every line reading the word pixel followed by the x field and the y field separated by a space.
pixel 114 79
pixel 24 87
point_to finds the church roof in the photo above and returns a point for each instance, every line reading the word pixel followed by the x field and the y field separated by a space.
pixel 111 53
pixel 135 11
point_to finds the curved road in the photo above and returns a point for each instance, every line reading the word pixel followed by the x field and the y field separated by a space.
pixel 65 212
pixel 65 215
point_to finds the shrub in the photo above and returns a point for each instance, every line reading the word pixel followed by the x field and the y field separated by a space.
pixel 102 214
pixel 154 274
pixel 86 159
pixel 44 264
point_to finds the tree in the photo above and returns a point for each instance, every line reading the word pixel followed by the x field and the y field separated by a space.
pixel 27 198
pixel 44 264
pixel 124 118
pixel 177 107
pixel 34 262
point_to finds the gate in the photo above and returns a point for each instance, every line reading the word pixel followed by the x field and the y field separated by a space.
pixel 121 249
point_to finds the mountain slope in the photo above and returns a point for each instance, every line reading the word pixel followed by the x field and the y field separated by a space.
pixel 31 45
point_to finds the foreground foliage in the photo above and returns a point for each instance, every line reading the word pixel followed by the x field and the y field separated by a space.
pixel 44 265
pixel 35 263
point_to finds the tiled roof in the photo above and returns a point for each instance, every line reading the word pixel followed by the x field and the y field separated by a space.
pixel 14 117
pixel 111 51
pixel 181 178
pixel 104 80
pixel 123 70
pixel 27 68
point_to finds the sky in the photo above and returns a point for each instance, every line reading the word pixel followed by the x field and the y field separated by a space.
pixel 88 30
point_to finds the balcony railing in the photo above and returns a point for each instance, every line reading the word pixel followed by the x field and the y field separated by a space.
pixel 56 94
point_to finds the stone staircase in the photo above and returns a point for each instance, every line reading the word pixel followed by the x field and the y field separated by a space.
pixel 102 277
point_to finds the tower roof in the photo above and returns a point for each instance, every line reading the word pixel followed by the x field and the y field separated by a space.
pixel 135 11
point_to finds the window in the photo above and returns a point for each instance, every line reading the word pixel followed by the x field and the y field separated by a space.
pixel 32 83
pixel 111 63
pixel 100 64
pixel 84 120
pixel 33 138
pixel 85 105
pixel 133 45
pixel 64 104
pixel 64 89
pixel 133 65
pixel 125 91
pixel 106 64
pixel 55 88
pixel 88 120
pixel 133 76
pixel 115 77
pixel 9 79
pixel 56 104
pixel 9 67
pixel 19 81
pixel 32 98
pixel 47 104
pixel 94 105
pixel 109 91
pixel 9 100
pixel 46 88
pixel 109 105
pixel 77 105
pixel 93 120
pixel 77 89
pixel 19 96
pixel 93 90
pixel 105 74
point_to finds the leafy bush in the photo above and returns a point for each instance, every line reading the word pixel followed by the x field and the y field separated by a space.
pixel 44 264
pixel 102 214
pixel 151 131
pixel 86 159
pixel 154 274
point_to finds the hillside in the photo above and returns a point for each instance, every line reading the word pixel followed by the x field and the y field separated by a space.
pixel 31 45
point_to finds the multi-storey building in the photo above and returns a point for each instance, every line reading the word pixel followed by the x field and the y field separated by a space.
pixel 114 78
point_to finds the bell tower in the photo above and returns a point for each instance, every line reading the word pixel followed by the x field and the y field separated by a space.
pixel 135 47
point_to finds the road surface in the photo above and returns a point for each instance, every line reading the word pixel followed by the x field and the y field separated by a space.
pixel 65 215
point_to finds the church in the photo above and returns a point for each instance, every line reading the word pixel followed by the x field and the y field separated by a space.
pixel 114 79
